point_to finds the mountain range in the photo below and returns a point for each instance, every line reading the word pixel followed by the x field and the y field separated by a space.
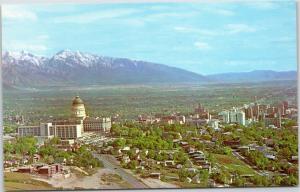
pixel 254 76
pixel 23 69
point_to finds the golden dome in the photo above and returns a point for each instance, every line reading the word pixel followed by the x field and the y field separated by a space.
pixel 77 101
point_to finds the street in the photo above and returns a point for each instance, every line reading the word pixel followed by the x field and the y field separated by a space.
pixel 110 163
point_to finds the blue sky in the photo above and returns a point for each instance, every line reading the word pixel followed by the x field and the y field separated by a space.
pixel 205 38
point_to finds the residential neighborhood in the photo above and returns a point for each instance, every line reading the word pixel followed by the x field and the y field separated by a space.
pixel 199 149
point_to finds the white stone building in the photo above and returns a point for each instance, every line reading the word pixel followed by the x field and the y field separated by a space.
pixel 71 128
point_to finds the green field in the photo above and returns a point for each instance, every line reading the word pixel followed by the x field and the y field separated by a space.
pixel 21 181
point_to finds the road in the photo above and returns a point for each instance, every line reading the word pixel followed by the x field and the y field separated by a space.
pixel 111 163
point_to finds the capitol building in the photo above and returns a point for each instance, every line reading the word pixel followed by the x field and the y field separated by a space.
pixel 71 128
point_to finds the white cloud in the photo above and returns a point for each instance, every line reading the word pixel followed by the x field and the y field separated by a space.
pixel 202 45
pixel 12 12
pixel 91 17
pixel 239 28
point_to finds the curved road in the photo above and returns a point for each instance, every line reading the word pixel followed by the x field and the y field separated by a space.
pixel 111 163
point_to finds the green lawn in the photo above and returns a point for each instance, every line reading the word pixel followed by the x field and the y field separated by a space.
pixel 21 182
pixel 233 164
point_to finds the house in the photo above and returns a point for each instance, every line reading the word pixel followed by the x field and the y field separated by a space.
pixel 169 163
pixel 292 170
pixel 176 140
pixel 47 170
pixel 183 143
pixel 10 163
pixel 207 167
pixel 140 167
pixel 107 150
pixel 232 143
pixel 192 170
pixel 199 157
pixel 27 169
pixel 125 149
pixel 294 159
pixel 247 175
pixel 191 150
pixel 136 150
pixel 155 175
pixel 146 151
pixel 179 166
pixel 148 163
pixel 24 161
pixel 270 156
pixel 126 159
pixel 58 168
pixel 188 180
pixel 253 146
pixel 269 142
pixel 36 158
pixel 201 162
pixel 137 157
pixel 244 149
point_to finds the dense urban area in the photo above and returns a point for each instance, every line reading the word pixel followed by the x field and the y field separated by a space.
pixel 233 136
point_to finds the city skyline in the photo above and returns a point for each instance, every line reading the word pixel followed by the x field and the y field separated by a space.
pixel 205 38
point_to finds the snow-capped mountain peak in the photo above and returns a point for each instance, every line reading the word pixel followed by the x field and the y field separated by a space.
pixel 22 58
pixel 75 58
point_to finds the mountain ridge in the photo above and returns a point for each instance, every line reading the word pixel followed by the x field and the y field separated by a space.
pixel 77 68
pixel 23 69
pixel 254 76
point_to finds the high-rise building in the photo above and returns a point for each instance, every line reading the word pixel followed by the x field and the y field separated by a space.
pixel 200 109
pixel 202 113
pixel 273 120
pixel 224 116
pixel 248 112
pixel 255 109
pixel 240 116
pixel 233 116
pixel 281 109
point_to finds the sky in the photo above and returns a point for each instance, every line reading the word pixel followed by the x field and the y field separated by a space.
pixel 205 38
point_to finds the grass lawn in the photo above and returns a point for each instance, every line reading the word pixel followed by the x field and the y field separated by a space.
pixel 233 164
pixel 21 181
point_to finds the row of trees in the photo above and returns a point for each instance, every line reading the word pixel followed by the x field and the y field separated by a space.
pixel 50 153
pixel 21 146
pixel 81 157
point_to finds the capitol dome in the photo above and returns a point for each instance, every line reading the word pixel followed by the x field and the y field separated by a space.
pixel 78 109
pixel 77 101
